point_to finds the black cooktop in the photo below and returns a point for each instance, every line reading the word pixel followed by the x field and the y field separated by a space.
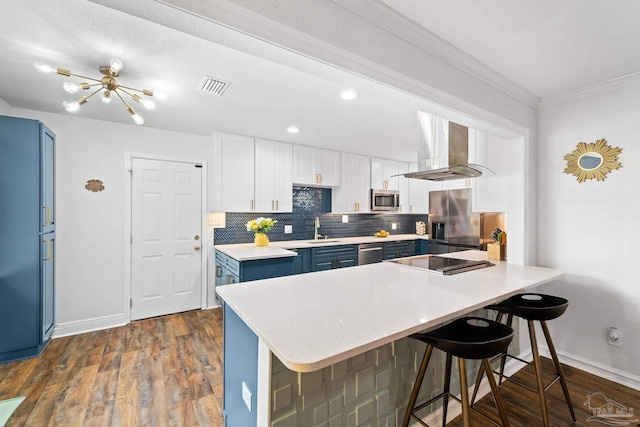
pixel 442 265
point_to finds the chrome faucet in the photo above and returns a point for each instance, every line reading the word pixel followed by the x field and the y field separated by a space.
pixel 317 235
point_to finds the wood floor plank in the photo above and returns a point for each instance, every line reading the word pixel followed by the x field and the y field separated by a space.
pixel 72 410
pixel 100 409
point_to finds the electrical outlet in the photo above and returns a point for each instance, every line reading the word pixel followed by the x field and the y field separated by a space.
pixel 246 395
pixel 614 336
pixel 288 229
pixel 394 226
pixel 345 219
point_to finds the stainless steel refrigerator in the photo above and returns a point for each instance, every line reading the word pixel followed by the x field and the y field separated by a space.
pixel 453 225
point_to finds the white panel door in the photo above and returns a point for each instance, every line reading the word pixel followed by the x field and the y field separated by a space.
pixel 166 212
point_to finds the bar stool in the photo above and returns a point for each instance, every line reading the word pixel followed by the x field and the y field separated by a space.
pixel 532 307
pixel 465 338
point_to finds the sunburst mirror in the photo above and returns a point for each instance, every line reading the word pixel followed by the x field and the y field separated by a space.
pixel 593 160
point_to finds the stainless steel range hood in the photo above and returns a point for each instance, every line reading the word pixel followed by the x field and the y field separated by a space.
pixel 443 151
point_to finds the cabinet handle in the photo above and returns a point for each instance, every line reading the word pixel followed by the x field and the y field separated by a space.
pixel 272 205
pixel 411 208
pixel 277 205
pixel 229 279
pixel 355 207
pixel 218 271
pixel 48 257
pixel 251 204
pixel 47 215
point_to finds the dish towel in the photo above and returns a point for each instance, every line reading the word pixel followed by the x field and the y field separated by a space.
pixel 7 407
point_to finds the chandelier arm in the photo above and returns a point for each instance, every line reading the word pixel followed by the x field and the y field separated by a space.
pixel 122 88
pixel 85 77
pixel 121 99
pixel 98 90
pixel 143 91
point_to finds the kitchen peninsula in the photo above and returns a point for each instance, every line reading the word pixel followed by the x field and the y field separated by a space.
pixel 329 348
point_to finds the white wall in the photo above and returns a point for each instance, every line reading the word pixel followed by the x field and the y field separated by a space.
pixel 90 245
pixel 591 230
pixel 5 109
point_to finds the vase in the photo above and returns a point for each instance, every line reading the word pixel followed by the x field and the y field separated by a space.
pixel 261 239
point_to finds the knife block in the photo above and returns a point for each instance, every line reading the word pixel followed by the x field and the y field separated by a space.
pixel 496 252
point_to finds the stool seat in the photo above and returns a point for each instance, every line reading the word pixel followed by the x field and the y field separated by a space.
pixel 469 338
pixel 531 306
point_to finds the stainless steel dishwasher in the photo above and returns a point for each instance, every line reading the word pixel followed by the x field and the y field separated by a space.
pixel 368 253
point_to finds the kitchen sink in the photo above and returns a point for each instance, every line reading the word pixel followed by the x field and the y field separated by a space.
pixel 322 241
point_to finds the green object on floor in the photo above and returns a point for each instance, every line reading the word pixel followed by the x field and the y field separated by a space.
pixel 7 407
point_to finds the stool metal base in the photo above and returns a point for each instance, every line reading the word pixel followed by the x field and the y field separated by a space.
pixel 540 387
pixel 464 393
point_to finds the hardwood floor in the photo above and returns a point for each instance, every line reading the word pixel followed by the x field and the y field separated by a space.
pixel 167 371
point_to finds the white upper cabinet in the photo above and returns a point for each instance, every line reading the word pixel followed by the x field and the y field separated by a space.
pixel 316 167
pixel 382 174
pixel 353 195
pixel 273 176
pixel 233 173
pixel 251 175
pixel 418 193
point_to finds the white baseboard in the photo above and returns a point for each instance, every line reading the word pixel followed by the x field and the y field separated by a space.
pixel 89 325
pixel 595 368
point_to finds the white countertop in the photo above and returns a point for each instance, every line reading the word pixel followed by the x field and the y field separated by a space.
pixel 248 251
pixel 310 321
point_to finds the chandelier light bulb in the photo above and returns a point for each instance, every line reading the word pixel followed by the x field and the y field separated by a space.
pixel 160 96
pixel 116 65
pixel 137 119
pixel 71 107
pixel 70 87
pixel 148 104
pixel 43 68
pixel 106 97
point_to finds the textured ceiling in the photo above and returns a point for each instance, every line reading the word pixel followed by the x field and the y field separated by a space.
pixel 549 47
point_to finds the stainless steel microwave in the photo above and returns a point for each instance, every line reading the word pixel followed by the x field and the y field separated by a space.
pixel 385 200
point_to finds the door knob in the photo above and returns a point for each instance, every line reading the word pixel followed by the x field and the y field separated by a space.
pixel 196 237
pixel 196 247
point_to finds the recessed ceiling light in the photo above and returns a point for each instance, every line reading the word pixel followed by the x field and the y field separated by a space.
pixel 293 129
pixel 348 94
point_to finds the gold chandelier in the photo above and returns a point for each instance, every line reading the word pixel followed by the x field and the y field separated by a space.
pixel 108 85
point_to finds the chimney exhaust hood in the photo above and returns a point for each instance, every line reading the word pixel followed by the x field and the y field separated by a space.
pixel 443 151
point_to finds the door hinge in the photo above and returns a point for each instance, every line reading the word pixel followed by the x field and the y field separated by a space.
pixel 131 238
pixel 198 166
pixel 131 173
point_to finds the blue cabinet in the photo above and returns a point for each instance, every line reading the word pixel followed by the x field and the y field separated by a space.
pixel 330 257
pixel 302 262
pixel 27 246
pixel 399 249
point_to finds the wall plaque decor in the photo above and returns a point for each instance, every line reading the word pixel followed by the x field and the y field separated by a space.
pixel 593 160
pixel 94 185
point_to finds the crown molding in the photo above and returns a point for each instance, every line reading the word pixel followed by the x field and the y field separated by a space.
pixel 387 18
pixel 632 79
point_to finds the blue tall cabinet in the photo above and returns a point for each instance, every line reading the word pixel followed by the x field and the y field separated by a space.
pixel 27 237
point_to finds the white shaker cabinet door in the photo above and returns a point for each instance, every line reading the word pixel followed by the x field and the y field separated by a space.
pixel 353 195
pixel 233 173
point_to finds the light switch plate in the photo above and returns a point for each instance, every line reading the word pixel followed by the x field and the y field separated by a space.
pixel 217 219
pixel 288 229
pixel 394 226
pixel 246 395
pixel 345 219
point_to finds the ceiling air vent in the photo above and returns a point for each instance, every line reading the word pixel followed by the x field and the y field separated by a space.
pixel 213 85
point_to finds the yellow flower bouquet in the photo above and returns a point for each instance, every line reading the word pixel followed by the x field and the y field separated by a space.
pixel 260 226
